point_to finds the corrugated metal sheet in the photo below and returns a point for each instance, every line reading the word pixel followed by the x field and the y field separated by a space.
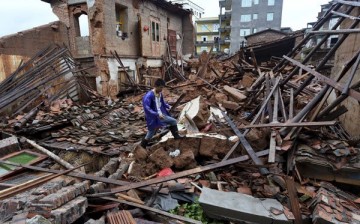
pixel 9 63
pixel 120 217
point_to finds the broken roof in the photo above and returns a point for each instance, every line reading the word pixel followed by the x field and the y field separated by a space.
pixel 264 31
pixel 169 6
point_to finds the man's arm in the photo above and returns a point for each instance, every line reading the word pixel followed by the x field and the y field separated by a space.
pixel 167 106
pixel 147 103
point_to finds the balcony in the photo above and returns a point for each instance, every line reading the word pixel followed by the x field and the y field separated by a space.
pixel 225 41
pixel 204 43
pixel 225 4
pixel 226 16
pixel 208 32
pixel 225 29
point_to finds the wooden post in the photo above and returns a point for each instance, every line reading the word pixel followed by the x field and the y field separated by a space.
pixel 50 154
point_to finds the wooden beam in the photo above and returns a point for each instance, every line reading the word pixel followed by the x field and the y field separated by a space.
pixel 82 176
pixel 177 175
pixel 178 101
pixel 300 124
pixel 344 31
pixel 246 145
pixel 178 217
pixel 345 15
pixel 294 201
pixel 32 183
pixel 352 3
pixel 235 146
pixel 354 94
pixel 50 154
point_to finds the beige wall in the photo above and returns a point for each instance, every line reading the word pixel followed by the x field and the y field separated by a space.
pixel 350 120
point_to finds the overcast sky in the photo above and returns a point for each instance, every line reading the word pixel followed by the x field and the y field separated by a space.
pixel 17 15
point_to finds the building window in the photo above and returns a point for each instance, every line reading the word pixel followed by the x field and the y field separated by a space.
pixel 204 38
pixel 245 18
pixel 246 3
pixel 155 31
pixel 271 2
pixel 82 25
pixel 254 30
pixel 255 16
pixel 203 49
pixel 204 28
pixel 256 2
pixel 121 20
pixel 270 16
pixel 244 32
pixel 216 27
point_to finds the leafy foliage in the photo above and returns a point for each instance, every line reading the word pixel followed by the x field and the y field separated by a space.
pixel 193 211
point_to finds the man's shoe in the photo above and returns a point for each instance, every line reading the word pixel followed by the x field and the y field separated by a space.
pixel 144 143
pixel 175 132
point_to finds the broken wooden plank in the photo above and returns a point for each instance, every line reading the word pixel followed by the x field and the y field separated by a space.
pixel 50 154
pixel 343 31
pixel 235 146
pixel 177 175
pixel 246 144
pixel 294 201
pixel 204 66
pixel 32 183
pixel 235 93
pixel 352 3
pixel 178 101
pixel 264 104
pixel 82 176
pixel 300 124
pixel 181 218
pixel 354 94
pixel 345 15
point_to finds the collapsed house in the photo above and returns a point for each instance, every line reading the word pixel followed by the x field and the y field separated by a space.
pixel 263 139
pixel 140 31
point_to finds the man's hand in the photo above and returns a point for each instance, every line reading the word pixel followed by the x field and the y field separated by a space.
pixel 161 116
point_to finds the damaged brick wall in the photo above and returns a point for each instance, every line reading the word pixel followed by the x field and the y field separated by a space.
pixel 167 21
pixel 189 35
pixel 9 63
pixel 347 50
pixel 27 42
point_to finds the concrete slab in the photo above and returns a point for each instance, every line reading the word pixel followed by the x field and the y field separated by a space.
pixel 240 207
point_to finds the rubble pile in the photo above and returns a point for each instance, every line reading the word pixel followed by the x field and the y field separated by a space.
pixel 262 145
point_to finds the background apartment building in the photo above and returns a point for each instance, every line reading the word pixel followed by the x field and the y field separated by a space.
pixel 207 30
pixel 239 18
pixel 188 4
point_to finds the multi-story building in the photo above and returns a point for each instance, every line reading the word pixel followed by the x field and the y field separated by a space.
pixel 188 4
pixel 244 17
pixel 207 31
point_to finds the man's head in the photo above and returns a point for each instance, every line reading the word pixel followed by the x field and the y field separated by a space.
pixel 159 85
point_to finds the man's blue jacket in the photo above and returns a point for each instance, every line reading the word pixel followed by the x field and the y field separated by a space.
pixel 151 115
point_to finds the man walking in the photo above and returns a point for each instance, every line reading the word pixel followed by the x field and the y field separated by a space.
pixel 156 113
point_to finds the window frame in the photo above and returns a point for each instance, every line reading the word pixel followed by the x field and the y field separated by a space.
pixel 155 31
pixel 248 32
pixel 246 3
pixel 272 16
pixel 271 2
pixel 245 18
